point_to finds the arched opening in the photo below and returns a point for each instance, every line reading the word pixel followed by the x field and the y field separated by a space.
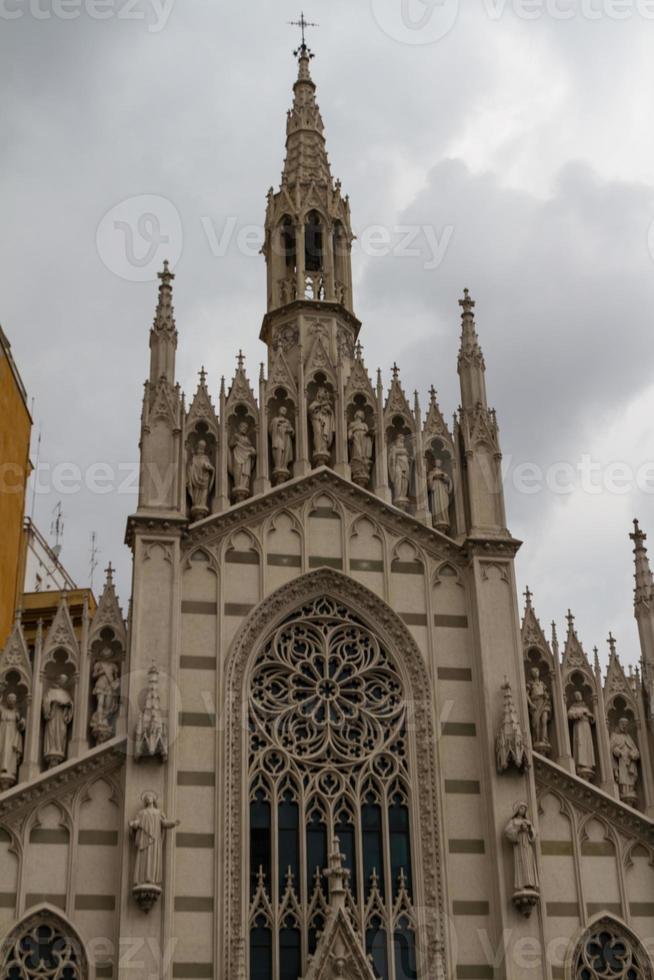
pixel 313 746
pixel 44 946
pixel 327 754
pixel 609 950
pixel 341 261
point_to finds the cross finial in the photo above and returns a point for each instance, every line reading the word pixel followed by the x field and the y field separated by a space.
pixel 166 275
pixel 611 643
pixel 240 360
pixel 528 594
pixel 571 622
pixel 395 369
pixel 109 572
pixel 203 376
pixel 358 350
pixel 638 537
pixel 302 23
pixel 467 304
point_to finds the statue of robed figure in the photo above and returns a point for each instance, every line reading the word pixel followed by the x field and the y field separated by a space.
pixel 281 444
pixel 520 832
pixel 200 475
pixel 625 758
pixel 583 750
pixel 11 741
pixel 58 714
pixel 148 829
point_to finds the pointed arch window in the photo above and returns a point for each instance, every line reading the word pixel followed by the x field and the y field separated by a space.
pixel 43 947
pixel 608 952
pixel 328 755
pixel 313 243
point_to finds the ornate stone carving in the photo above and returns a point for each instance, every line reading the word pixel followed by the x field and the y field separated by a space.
pixel 526 886
pixel 540 711
pixel 200 476
pixel 241 461
pixel 151 735
pixel 511 747
pixel 321 414
pixel 11 741
pixel 148 829
pixel 281 444
pixel 106 691
pixel 609 952
pixel 583 750
pixel 393 634
pixel 286 336
pixel 360 440
pixel 58 714
pixel 43 946
pixel 625 761
pixel 399 470
pixel 439 485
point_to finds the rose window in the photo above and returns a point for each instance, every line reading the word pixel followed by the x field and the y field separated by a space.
pixel 608 954
pixel 41 951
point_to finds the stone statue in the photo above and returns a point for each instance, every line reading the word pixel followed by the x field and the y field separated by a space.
pixel 399 470
pixel 360 440
pixel 242 458
pixel 200 475
pixel 440 490
pixel 11 741
pixel 151 734
pixel 106 687
pixel 58 714
pixel 281 443
pixel 540 711
pixel 625 757
pixel 321 414
pixel 583 750
pixel 520 832
pixel 148 828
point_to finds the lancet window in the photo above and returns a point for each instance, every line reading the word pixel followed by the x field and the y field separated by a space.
pixel 328 755
pixel 608 952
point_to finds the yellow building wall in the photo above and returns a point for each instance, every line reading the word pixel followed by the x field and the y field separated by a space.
pixel 15 427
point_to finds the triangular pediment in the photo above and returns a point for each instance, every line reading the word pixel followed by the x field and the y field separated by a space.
pixel 396 403
pixel 280 374
pixel 202 410
pixel 294 494
pixel 359 382
pixel 15 655
pixel 340 952
pixel 61 634
pixel 532 632
pixel 574 655
pixel 109 614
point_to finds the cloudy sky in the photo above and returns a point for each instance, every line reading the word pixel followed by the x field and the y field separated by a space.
pixel 511 136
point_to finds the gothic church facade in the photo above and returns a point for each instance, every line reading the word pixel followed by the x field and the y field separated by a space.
pixel 324 744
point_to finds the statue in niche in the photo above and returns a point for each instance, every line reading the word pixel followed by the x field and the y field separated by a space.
pixel 281 443
pixel 520 832
pixel 399 470
pixel 360 440
pixel 583 750
pixel 151 735
pixel 200 477
pixel 106 688
pixel 321 414
pixel 540 711
pixel 58 714
pixel 149 827
pixel 439 485
pixel 625 758
pixel 242 456
pixel 11 741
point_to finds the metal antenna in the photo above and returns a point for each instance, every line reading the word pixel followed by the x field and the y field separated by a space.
pixel 95 551
pixel 57 527
pixel 35 475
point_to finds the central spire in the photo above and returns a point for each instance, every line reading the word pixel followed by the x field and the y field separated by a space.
pixel 306 154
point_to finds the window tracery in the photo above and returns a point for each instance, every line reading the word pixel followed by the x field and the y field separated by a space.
pixel 43 949
pixel 607 952
pixel 328 755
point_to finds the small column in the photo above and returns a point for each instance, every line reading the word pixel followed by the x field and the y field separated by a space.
pixel 564 758
pixel 422 509
pixel 302 466
pixel 79 742
pixel 645 754
pixel 222 488
pixel 602 728
pixel 31 766
pixel 299 261
pixel 341 465
pixel 262 478
pixel 328 266
pixel 382 488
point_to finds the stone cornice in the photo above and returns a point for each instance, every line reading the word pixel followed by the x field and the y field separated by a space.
pixel 308 308
pixel 591 799
pixel 302 488
pixel 49 784
pixel 167 522
pixel 500 547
